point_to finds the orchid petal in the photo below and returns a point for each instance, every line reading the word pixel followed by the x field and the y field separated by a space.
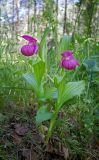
pixel 67 53
pixel 28 50
pixel 68 61
pixel 29 38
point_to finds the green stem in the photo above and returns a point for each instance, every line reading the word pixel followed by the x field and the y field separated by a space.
pixel 51 127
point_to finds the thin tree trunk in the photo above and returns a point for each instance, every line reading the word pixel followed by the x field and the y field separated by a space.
pixel 57 8
pixel 65 18
pixel 13 26
pixel 56 27
pixel 56 16
pixel 35 10
pixel 17 3
pixel 90 10
pixel 76 21
pixel 28 15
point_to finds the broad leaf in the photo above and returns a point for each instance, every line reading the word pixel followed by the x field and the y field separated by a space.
pixel 68 91
pixel 65 43
pixel 42 46
pixel 89 63
pixel 61 90
pixel 31 81
pixel 38 89
pixel 51 93
pixel 43 115
pixel 39 70
pixel 57 80
pixel 96 68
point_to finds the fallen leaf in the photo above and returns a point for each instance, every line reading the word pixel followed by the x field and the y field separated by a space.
pixel 21 129
pixel 16 139
pixel 66 152
pixel 24 154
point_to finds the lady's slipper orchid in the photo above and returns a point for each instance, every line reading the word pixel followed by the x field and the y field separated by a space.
pixel 68 61
pixel 31 48
pixel 67 53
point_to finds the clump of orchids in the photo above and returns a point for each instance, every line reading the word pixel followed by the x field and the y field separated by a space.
pixel 61 92
pixel 68 61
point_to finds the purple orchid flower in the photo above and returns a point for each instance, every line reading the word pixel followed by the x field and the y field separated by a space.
pixel 67 53
pixel 68 61
pixel 31 48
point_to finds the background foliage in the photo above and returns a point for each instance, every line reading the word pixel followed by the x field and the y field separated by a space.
pixel 58 27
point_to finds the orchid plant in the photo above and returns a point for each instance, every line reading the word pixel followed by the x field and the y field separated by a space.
pixel 61 91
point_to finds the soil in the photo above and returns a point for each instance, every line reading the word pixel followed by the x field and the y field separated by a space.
pixel 20 139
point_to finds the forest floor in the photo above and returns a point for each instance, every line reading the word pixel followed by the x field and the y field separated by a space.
pixel 20 139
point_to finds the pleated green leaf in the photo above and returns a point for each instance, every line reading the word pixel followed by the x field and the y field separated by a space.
pixel 39 70
pixel 43 115
pixel 42 47
pixel 31 81
pixel 51 93
pixel 69 91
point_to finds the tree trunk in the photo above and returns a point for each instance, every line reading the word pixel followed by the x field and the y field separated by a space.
pixel 13 23
pixel 65 18
pixel 17 3
pixel 35 10
pixel 28 14
pixel 56 27
pixel 90 9
pixel 57 8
